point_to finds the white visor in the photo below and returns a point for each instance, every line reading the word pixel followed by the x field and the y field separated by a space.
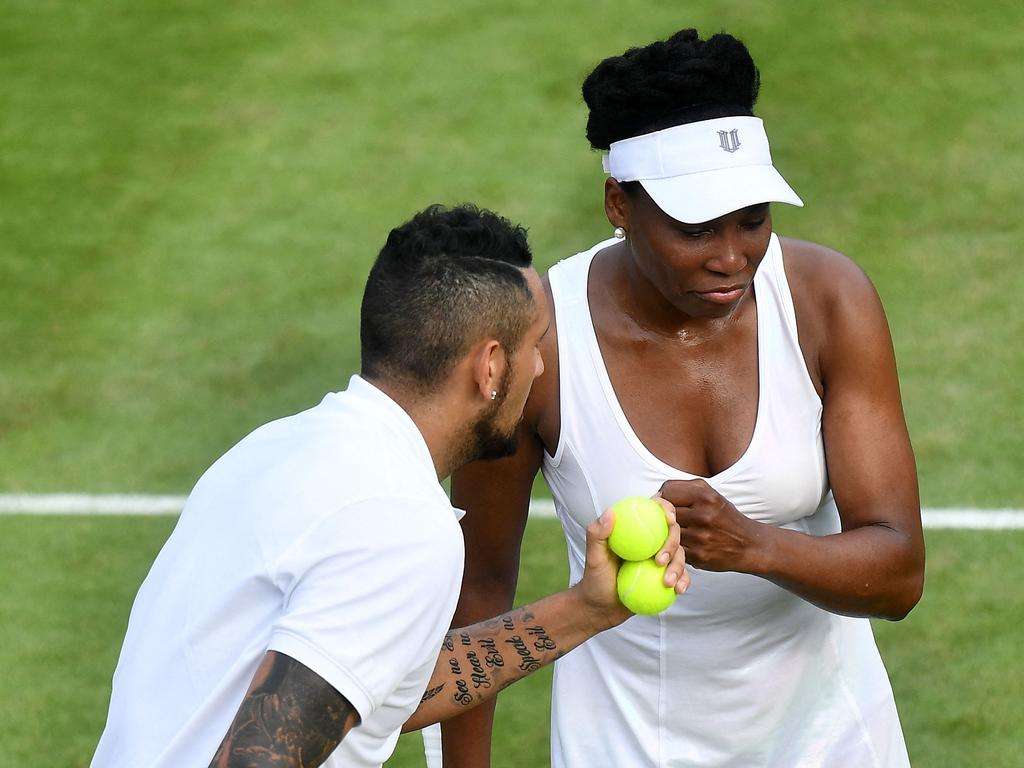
pixel 700 171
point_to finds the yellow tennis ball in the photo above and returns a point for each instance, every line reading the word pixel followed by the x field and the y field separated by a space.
pixel 640 528
pixel 641 587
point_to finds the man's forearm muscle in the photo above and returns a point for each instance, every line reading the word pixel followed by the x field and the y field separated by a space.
pixel 477 662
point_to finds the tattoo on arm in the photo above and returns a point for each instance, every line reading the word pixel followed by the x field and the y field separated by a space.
pixel 290 718
pixel 432 692
pixel 513 632
pixel 541 640
pixel 477 662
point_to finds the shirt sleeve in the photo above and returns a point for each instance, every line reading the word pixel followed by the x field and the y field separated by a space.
pixel 369 594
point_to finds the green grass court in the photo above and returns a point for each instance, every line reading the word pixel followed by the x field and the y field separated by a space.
pixel 191 194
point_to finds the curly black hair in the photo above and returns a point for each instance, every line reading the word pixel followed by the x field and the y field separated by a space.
pixel 670 82
pixel 443 279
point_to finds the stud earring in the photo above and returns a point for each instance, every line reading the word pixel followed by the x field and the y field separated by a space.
pixel 494 394
pixel 619 233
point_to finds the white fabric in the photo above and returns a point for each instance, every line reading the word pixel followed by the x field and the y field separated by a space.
pixel 738 673
pixel 699 171
pixel 324 536
pixel 432 745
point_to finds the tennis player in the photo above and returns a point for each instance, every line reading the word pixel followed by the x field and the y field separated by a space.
pixel 296 614
pixel 750 378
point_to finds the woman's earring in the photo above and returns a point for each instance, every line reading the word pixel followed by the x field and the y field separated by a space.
pixel 619 233
pixel 494 394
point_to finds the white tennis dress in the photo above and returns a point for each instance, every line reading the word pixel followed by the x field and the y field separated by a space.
pixel 738 672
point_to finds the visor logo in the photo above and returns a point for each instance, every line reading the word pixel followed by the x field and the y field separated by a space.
pixel 729 140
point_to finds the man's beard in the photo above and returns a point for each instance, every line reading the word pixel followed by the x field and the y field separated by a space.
pixel 490 442
pixel 487 439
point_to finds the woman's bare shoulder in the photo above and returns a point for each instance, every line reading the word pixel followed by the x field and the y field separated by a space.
pixel 821 278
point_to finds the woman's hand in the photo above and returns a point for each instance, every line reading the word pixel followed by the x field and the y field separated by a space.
pixel 715 536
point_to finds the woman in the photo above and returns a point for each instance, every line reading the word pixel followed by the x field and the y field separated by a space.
pixel 750 378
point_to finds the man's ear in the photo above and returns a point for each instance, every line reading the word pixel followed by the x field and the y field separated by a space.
pixel 617 206
pixel 489 367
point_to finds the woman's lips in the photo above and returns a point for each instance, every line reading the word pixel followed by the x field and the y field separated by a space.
pixel 724 295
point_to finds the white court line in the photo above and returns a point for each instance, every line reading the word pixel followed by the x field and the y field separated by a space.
pixel 144 504
pixel 89 504
pixel 993 519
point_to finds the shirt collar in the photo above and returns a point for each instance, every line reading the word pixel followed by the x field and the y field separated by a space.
pixel 362 390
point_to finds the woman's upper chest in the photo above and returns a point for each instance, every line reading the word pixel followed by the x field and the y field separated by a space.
pixel 693 395
pixel 692 401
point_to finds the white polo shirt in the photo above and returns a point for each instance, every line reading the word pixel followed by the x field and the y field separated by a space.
pixel 324 536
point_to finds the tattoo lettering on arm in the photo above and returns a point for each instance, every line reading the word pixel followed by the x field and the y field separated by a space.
pixel 527 661
pixel 479 676
pixel 462 695
pixel 541 640
pixel 290 718
pixel 493 656
pixel 478 661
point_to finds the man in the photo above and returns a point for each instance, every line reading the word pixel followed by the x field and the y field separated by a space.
pixel 295 614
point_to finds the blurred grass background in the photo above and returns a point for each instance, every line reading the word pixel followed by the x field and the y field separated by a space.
pixel 191 195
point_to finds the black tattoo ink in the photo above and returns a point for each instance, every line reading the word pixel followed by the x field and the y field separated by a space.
pixel 493 658
pixel 527 661
pixel 479 677
pixel 431 693
pixel 290 715
pixel 541 642
pixel 463 696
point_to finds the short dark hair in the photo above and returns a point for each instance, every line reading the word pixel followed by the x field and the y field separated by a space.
pixel 442 281
pixel 683 79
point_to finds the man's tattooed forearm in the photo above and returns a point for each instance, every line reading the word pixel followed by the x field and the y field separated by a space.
pixel 541 640
pixel 527 661
pixel 493 656
pixel 462 695
pixel 479 677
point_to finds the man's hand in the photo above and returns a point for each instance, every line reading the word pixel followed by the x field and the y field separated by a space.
pixel 597 587
pixel 478 661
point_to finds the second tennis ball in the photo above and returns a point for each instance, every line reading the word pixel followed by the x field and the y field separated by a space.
pixel 641 528
pixel 641 587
